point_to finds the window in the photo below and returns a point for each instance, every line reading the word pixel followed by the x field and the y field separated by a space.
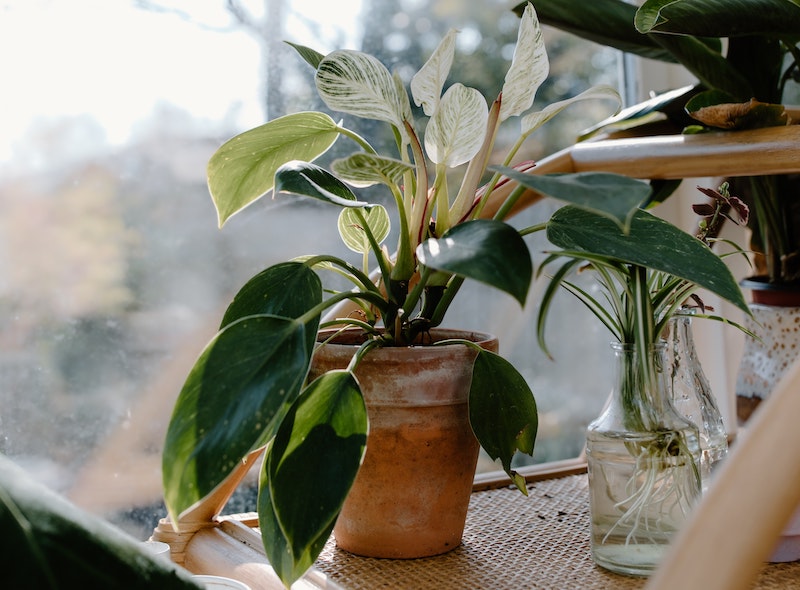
pixel 113 271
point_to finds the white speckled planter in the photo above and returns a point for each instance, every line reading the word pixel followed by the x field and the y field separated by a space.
pixel 764 362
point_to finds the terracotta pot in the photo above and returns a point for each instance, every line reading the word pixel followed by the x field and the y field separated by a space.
pixel 411 495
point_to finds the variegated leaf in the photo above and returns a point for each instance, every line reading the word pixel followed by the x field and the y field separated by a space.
pixel 427 84
pixel 356 83
pixel 456 130
pixel 529 67
pixel 363 169
pixel 352 231
pixel 403 103
pixel 535 120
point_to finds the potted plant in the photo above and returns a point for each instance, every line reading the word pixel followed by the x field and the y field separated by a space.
pixel 644 457
pixel 265 380
pixel 742 84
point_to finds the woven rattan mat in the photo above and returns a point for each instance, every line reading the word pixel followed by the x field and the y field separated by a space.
pixel 510 541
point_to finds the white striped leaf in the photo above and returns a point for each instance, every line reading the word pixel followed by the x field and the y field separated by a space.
pixel 356 83
pixel 535 120
pixel 456 130
pixel 427 84
pixel 529 67
pixel 363 169
pixel 403 103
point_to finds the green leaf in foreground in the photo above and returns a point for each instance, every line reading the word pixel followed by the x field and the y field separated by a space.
pixel 485 250
pixel 247 376
pixel 48 542
pixel 500 402
pixel 309 470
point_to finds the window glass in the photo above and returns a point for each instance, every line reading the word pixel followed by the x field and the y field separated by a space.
pixel 113 272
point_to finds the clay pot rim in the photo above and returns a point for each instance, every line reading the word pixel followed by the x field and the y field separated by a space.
pixel 775 294
pixel 355 337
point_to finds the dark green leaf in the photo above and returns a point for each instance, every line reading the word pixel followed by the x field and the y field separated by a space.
pixel 288 289
pixel 247 376
pixel 707 63
pixel 611 195
pixel 308 180
pixel 49 542
pixel 243 168
pixel 488 251
pixel 651 242
pixel 311 56
pixel 502 411
pixel 312 465
pixel 607 22
pixel 667 104
pixel 720 18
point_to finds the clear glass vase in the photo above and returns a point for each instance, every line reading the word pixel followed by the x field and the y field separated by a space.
pixel 644 465
pixel 692 395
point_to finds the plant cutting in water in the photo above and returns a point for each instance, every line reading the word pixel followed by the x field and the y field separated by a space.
pixel 646 270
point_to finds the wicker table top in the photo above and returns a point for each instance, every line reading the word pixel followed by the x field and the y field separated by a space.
pixel 510 541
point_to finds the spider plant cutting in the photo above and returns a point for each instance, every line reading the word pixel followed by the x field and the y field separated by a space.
pixel 249 389
pixel 644 458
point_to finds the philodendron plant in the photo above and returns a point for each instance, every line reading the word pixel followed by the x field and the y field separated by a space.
pixel 248 388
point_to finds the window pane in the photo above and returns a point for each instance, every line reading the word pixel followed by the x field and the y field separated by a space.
pixel 113 271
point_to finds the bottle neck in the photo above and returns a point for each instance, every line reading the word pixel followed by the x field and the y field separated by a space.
pixel 641 391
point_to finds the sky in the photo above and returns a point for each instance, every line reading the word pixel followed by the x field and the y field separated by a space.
pixel 116 62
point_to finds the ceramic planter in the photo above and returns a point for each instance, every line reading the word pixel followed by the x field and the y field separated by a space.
pixel 411 495
pixel 776 320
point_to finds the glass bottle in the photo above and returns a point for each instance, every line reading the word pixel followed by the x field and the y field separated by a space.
pixel 692 395
pixel 644 465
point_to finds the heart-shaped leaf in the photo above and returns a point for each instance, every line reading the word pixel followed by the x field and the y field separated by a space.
pixel 309 180
pixel 455 132
pixel 352 230
pixel 357 83
pixel 287 289
pixel 485 250
pixel 310 468
pixel 427 84
pixel 502 411
pixel 243 168
pixel 529 67
pixel 247 376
